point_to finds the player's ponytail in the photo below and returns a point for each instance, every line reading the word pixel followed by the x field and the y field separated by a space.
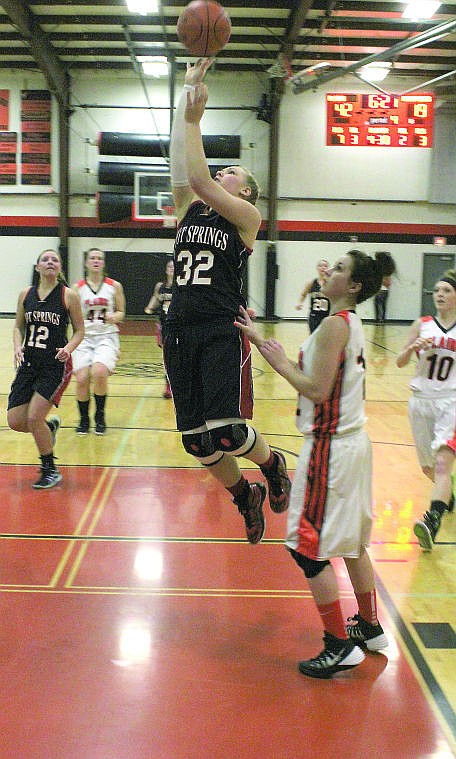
pixel 369 272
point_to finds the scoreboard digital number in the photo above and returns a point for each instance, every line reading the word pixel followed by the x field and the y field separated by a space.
pixel 380 120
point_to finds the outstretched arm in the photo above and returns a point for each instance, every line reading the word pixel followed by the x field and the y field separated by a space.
pixel 183 194
pixel 330 342
pixel 304 294
pixel 244 215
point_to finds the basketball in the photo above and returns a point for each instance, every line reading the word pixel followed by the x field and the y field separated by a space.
pixel 204 28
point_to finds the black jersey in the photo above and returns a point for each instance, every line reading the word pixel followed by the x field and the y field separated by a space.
pixel 46 323
pixel 319 306
pixel 209 261
pixel 164 296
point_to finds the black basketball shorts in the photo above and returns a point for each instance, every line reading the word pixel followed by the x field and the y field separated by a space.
pixel 210 372
pixel 49 381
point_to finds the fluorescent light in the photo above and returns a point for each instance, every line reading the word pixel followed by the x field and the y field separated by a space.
pixel 154 65
pixel 143 7
pixel 376 71
pixel 419 9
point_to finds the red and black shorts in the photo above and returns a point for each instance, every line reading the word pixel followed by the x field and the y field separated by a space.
pixel 210 372
pixel 50 381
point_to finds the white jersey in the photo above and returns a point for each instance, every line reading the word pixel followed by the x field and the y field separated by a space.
pixel 436 369
pixel 95 306
pixel 343 411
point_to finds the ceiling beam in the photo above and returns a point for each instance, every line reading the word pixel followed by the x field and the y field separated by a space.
pixel 417 40
pixel 56 75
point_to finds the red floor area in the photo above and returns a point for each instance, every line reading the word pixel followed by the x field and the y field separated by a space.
pixel 174 646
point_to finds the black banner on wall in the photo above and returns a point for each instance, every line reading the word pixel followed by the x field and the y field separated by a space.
pixel 4 110
pixel 8 158
pixel 36 137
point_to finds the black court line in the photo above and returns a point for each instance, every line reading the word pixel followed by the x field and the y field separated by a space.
pixel 438 696
pixel 133 539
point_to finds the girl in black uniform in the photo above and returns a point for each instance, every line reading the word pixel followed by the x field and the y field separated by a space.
pixel 42 356
pixel 208 361
pixel 159 302
pixel 319 305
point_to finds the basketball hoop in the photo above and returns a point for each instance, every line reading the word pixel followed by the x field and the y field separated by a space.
pixel 169 217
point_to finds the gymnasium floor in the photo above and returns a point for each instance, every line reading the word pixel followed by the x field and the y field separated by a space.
pixel 137 622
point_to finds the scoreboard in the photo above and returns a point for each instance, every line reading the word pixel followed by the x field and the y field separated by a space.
pixel 380 120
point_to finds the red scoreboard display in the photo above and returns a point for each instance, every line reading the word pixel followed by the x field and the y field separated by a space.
pixel 380 120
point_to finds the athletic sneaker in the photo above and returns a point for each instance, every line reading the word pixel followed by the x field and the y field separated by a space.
pixel 338 655
pixel 365 634
pixel 252 511
pixel 279 485
pixel 427 528
pixel 100 425
pixel 167 391
pixel 83 427
pixel 53 423
pixel 48 478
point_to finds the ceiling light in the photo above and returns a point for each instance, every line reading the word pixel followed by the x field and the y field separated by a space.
pixel 375 72
pixel 143 7
pixel 154 65
pixel 419 9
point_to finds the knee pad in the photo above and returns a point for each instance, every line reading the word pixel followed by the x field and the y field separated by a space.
pixel 234 439
pixel 310 567
pixel 200 445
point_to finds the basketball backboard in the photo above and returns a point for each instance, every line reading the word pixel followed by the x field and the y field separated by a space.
pixel 153 200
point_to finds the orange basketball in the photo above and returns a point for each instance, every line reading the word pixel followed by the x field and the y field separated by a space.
pixel 204 28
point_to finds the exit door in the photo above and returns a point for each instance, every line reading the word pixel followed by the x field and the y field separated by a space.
pixel 434 266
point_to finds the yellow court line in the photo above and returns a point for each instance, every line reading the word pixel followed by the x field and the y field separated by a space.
pixel 81 591
pixel 197 591
pixel 83 548
pixel 66 554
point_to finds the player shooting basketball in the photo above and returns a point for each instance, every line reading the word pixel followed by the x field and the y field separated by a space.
pixel 208 361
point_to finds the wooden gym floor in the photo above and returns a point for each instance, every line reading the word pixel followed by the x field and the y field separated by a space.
pixel 137 623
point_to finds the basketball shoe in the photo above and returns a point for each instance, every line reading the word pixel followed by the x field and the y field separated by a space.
pixel 251 509
pixel 279 484
pixel 83 427
pixel 49 476
pixel 338 655
pixel 365 634
pixel 100 424
pixel 427 528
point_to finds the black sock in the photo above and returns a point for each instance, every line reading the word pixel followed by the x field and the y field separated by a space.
pixel 439 506
pixel 47 461
pixel 84 410
pixel 100 401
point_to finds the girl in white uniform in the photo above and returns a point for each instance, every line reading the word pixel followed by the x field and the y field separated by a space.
pixel 432 406
pixel 103 307
pixel 330 512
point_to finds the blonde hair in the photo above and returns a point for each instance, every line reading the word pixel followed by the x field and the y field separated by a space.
pixel 253 184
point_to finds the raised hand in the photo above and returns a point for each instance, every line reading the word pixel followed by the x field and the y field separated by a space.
pixel 196 73
pixel 196 103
